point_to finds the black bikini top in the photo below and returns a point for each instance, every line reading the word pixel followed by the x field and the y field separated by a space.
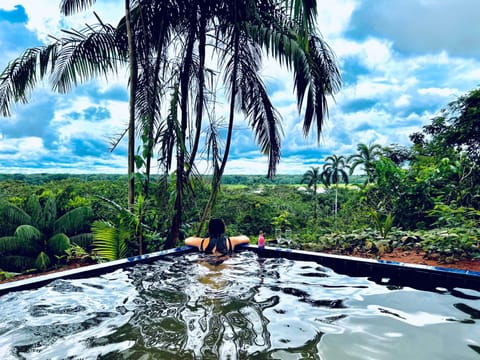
pixel 220 242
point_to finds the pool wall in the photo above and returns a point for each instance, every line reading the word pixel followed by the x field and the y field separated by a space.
pixel 90 270
pixel 381 271
pixel 385 272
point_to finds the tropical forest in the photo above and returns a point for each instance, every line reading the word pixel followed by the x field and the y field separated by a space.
pixel 424 197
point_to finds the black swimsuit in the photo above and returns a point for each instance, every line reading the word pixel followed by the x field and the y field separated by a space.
pixel 211 245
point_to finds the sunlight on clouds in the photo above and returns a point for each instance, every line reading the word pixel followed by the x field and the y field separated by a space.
pixel 331 144
pixel 467 73
pixel 45 18
pixel 389 93
pixel 259 166
pixel 70 118
pixel 442 92
pixel 370 88
pixel 27 148
pixel 403 100
pixel 372 136
pixel 376 53
pixel 119 80
pixel 334 16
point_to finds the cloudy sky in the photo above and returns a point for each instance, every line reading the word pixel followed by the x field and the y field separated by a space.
pixel 401 62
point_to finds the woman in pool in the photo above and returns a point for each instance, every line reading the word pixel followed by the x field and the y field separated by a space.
pixel 217 243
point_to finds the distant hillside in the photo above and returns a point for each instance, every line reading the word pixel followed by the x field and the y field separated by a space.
pixel 39 179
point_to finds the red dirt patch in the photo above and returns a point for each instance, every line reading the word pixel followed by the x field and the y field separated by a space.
pixel 31 275
pixel 414 257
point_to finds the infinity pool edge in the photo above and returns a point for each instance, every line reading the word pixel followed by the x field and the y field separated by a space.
pixel 381 271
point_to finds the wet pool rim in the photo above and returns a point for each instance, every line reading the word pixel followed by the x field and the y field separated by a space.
pixel 422 277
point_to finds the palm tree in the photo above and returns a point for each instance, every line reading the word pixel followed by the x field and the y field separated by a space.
pixel 161 41
pixel 334 173
pixel 367 157
pixel 69 7
pixel 247 27
pixel 41 234
pixel 312 177
pixel 95 51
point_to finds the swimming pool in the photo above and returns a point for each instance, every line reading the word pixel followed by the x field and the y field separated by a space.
pixel 249 307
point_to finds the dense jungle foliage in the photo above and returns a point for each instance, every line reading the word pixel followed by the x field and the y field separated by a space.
pixel 424 197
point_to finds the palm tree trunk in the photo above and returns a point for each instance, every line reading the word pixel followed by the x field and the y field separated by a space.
pixel 151 137
pixel 181 150
pixel 218 176
pixel 336 205
pixel 131 122
pixel 201 92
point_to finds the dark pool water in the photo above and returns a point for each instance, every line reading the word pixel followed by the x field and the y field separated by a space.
pixel 247 308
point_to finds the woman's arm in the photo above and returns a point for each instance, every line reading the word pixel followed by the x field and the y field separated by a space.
pixel 194 241
pixel 240 239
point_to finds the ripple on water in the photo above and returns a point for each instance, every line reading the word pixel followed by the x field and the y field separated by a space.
pixel 247 307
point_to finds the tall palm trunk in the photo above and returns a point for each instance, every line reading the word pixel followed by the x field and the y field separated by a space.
pixel 218 174
pixel 201 94
pixel 151 139
pixel 181 150
pixel 131 121
pixel 336 200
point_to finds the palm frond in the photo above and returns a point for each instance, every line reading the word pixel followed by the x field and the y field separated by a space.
pixel 84 55
pixel 108 241
pixel 168 131
pixel 9 244
pixel 34 208
pixel 73 221
pixel 83 240
pixel 29 240
pixel 42 262
pixel 22 75
pixel 69 7
pixel 264 119
pixel 28 234
pixel 58 243
pixel 14 214
pixel 316 75
pixel 49 213
pixel 303 12
pixel 323 80
pixel 16 263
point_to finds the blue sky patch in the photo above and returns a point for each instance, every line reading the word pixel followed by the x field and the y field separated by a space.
pixel 18 15
pixel 401 62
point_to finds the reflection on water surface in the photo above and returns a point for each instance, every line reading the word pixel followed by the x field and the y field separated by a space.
pixel 247 308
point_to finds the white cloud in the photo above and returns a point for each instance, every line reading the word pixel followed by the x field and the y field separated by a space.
pixel 396 78
pixel 403 100
pixel 44 17
pixel 334 16
pixel 26 148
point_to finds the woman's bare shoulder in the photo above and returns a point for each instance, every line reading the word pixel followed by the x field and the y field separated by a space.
pixel 194 241
pixel 240 239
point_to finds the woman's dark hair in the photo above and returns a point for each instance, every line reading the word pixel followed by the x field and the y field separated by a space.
pixel 216 227
pixel 216 231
